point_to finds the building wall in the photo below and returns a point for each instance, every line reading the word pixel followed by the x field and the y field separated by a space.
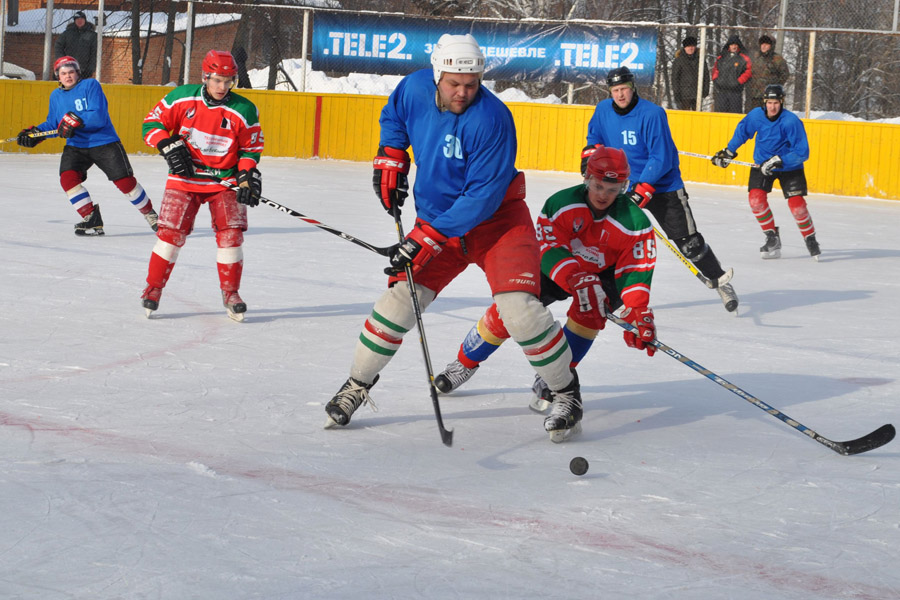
pixel 27 50
pixel 848 158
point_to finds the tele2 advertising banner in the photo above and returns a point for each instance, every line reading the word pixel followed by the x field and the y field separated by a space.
pixel 513 51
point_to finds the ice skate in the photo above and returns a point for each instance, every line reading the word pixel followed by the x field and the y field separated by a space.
pixel 728 296
pixel 351 396
pixel 453 376
pixel 152 219
pixel 813 246
pixel 234 305
pixel 565 412
pixel 542 398
pixel 92 224
pixel 150 299
pixel 772 247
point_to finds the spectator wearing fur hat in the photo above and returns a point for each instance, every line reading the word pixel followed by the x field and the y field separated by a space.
pixel 685 72
pixel 733 69
pixel 79 40
pixel 768 68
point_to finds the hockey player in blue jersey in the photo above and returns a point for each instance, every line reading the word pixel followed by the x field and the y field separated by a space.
pixel 79 112
pixel 641 129
pixel 470 208
pixel 780 151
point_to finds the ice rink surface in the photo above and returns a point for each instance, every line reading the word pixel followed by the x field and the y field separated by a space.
pixel 183 456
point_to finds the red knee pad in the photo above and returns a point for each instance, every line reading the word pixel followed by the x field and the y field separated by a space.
pixel 797 204
pixel 126 185
pixel 759 201
pixel 171 236
pixel 70 179
pixel 229 238
pixel 494 323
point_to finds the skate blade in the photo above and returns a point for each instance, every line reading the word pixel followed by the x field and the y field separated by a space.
pixel 148 312
pixel 239 317
pixel 769 255
pixel 539 405
pixel 557 436
pixel 331 424
pixel 89 232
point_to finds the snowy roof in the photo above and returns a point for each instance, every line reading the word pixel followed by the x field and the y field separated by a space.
pixel 117 23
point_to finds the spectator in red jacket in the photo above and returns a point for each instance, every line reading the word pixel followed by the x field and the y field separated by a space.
pixel 733 69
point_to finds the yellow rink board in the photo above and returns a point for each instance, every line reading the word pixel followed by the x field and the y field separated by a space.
pixel 848 158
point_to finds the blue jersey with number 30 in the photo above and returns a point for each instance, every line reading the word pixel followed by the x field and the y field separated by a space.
pixel 465 162
pixel 644 135
pixel 87 100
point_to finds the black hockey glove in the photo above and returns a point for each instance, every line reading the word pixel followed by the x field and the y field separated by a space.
pixel 723 157
pixel 26 141
pixel 68 124
pixel 770 165
pixel 249 187
pixel 177 156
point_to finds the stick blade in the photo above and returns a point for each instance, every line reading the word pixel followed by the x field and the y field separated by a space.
pixel 447 437
pixel 876 439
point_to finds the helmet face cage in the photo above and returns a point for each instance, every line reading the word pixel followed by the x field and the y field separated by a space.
pixel 609 165
pixel 66 61
pixel 457 54
pixel 219 63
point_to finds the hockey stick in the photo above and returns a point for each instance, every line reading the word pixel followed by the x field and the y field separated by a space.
pixel 870 441
pixel 39 134
pixel 737 162
pixel 706 280
pixel 310 220
pixel 446 435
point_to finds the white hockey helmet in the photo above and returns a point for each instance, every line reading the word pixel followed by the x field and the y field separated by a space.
pixel 457 54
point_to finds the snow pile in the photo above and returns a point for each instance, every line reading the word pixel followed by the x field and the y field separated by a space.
pixel 358 83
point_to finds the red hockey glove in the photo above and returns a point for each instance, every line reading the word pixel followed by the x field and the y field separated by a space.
pixel 68 124
pixel 25 140
pixel 249 187
pixel 422 244
pixel 590 299
pixel 585 155
pixel 389 177
pixel 642 320
pixel 641 194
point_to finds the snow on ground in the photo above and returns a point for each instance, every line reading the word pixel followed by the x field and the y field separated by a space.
pixel 184 456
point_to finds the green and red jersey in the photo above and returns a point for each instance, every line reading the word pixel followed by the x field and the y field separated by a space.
pixel 574 240
pixel 222 139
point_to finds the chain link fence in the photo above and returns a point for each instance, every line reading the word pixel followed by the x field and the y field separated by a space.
pixel 842 55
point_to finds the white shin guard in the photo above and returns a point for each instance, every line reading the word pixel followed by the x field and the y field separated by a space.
pixel 533 327
pixel 392 316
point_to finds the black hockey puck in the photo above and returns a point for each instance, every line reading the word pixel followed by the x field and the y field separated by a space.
pixel 578 465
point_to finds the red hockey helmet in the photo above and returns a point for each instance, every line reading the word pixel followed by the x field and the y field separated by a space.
pixel 66 61
pixel 219 63
pixel 608 164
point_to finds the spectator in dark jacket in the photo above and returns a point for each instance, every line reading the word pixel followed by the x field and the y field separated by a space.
pixel 685 71
pixel 768 69
pixel 79 40
pixel 731 72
